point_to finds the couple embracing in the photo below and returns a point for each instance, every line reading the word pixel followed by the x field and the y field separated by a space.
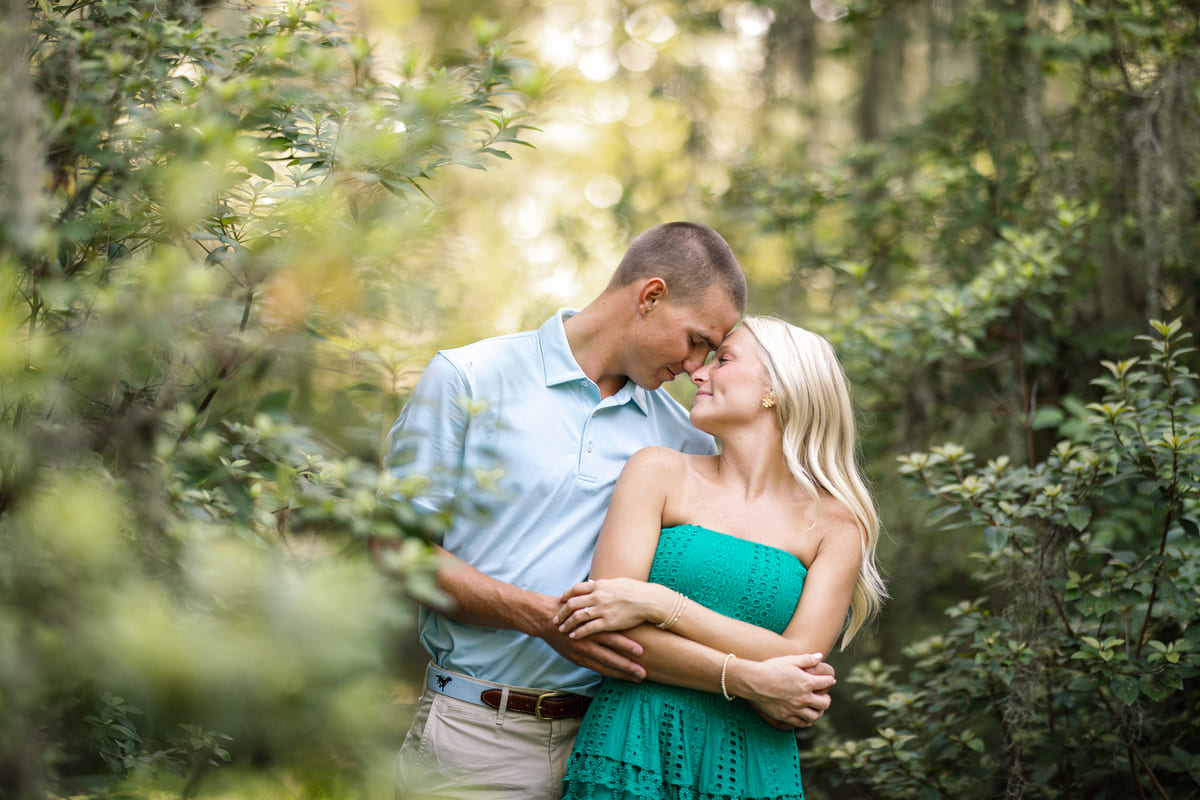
pixel 703 582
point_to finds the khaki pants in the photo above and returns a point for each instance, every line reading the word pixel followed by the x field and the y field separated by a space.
pixel 457 750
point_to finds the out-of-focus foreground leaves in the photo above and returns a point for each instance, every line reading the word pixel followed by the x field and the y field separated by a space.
pixel 207 231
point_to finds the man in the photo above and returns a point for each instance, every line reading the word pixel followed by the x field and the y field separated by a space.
pixel 536 427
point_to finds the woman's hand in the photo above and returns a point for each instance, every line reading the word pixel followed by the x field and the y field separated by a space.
pixel 788 691
pixel 611 604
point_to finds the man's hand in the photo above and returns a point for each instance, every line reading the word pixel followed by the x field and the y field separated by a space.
pixel 481 600
pixel 611 653
pixel 791 690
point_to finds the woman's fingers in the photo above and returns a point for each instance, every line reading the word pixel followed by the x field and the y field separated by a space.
pixel 587 625
pixel 568 603
pixel 591 607
pixel 574 613
pixel 585 587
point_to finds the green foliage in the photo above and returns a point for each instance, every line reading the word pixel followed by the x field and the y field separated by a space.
pixel 112 733
pixel 1025 215
pixel 1072 676
pixel 219 268
pixel 225 233
pixel 1000 197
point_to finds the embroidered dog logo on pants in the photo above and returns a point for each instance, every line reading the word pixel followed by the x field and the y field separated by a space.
pixel 442 680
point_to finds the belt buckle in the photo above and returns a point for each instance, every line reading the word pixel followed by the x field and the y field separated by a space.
pixel 537 707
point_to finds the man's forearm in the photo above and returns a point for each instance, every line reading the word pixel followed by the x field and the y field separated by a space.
pixel 482 600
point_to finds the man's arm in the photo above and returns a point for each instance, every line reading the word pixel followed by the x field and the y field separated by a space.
pixel 429 440
pixel 479 599
pixel 483 600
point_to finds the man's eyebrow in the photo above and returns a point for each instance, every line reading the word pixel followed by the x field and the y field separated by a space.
pixel 707 340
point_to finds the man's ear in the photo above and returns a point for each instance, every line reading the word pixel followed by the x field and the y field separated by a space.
pixel 652 292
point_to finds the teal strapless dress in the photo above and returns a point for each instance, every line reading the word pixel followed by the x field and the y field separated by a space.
pixel 651 741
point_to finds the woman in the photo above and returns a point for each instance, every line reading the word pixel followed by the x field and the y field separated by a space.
pixel 717 549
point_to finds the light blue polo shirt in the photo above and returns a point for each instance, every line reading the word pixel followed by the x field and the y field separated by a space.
pixel 511 430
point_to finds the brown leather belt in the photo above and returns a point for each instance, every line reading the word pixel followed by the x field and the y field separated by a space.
pixel 543 705
pixel 548 705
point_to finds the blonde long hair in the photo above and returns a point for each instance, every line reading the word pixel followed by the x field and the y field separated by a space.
pixel 812 404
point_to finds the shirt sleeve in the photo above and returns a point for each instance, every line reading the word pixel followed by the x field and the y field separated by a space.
pixel 705 446
pixel 426 446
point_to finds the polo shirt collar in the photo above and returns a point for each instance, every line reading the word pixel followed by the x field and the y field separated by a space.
pixel 561 367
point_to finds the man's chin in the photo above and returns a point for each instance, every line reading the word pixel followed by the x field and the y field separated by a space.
pixel 650 384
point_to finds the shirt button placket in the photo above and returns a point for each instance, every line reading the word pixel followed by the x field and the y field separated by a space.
pixel 588 444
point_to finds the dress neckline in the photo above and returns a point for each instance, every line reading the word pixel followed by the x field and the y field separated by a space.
pixel 740 539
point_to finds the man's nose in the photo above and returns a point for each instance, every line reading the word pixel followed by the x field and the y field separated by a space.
pixel 695 359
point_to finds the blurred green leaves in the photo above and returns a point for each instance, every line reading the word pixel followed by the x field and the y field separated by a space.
pixel 1092 553
pixel 202 331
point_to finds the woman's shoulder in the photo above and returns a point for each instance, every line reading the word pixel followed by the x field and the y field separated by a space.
pixel 665 470
pixel 837 524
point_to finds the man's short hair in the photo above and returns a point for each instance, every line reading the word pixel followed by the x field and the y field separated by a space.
pixel 690 257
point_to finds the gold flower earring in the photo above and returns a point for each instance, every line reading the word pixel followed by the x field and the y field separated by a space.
pixel 768 401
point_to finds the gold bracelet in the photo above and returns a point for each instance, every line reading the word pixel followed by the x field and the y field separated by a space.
pixel 724 667
pixel 666 623
pixel 676 611
pixel 666 620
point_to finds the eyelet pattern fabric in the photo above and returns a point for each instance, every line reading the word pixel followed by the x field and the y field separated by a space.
pixel 652 741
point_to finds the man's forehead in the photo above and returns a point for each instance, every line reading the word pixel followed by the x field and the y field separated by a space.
pixel 712 333
pixel 711 336
pixel 725 327
pixel 713 318
pixel 726 341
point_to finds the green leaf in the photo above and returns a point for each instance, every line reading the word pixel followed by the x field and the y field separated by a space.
pixel 1125 689
pixel 1084 683
pixel 262 169
pixel 1155 688
pixel 995 538
pixel 275 403
pixel 1079 517
pixel 1047 417
pixel 219 255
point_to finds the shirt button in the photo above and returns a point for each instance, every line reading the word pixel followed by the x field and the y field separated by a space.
pixel 589 447
pixel 583 382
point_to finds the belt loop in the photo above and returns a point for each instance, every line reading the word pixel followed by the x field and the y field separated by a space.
pixel 503 706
